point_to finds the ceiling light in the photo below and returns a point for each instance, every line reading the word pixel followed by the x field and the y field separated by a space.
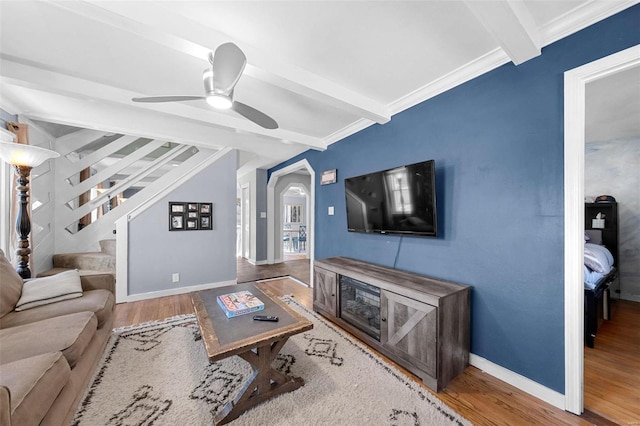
pixel 215 98
pixel 219 101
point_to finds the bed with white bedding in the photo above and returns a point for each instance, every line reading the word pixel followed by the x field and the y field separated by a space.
pixel 599 272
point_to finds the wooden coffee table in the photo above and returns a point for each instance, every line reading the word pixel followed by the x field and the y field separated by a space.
pixel 257 342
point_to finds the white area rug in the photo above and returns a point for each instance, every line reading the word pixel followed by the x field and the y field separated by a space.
pixel 158 374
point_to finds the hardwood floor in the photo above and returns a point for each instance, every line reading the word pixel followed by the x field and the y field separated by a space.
pixel 612 366
pixel 297 268
pixel 480 397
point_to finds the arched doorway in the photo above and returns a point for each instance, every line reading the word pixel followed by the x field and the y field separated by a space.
pixel 274 209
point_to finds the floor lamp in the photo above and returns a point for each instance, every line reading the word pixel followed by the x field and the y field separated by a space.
pixel 23 158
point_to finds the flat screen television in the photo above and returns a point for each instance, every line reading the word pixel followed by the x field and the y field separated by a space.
pixel 401 201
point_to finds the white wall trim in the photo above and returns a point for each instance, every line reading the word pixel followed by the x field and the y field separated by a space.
pixel 631 297
pixel 575 82
pixel 257 262
pixel 5 198
pixel 581 17
pixel 466 72
pixel 251 236
pixel 122 259
pixel 177 290
pixel 271 214
pixel 527 385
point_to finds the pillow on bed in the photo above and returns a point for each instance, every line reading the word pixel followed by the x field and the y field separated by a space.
pixel 594 236
pixel 41 291
pixel 597 258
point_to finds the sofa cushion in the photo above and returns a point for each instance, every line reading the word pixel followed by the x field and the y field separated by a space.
pixel 10 286
pixel 5 406
pixel 34 384
pixel 69 334
pixel 42 291
pixel 100 302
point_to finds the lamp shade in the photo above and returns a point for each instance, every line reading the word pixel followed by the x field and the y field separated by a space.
pixel 18 154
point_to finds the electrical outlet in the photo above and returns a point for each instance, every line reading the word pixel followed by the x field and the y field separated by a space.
pixel 175 277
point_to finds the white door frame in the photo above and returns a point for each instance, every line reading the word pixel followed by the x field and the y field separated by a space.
pixel 271 214
pixel 245 235
pixel 575 82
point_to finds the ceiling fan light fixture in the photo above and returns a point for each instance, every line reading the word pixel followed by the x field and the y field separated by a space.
pixel 219 101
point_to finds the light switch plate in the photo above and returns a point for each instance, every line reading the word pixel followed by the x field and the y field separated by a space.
pixel 263 215
pixel 330 211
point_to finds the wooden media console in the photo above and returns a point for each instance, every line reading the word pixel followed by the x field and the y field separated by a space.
pixel 421 323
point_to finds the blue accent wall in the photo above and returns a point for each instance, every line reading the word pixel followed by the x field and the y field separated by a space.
pixel 498 146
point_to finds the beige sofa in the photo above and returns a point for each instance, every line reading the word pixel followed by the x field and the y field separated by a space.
pixel 48 353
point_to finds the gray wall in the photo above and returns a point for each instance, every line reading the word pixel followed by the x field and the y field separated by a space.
pixel 261 222
pixel 200 257
pixel 257 181
pixel 613 168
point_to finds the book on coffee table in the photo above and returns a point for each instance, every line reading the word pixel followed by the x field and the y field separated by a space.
pixel 239 303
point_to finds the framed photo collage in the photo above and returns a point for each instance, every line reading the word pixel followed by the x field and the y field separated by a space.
pixel 190 216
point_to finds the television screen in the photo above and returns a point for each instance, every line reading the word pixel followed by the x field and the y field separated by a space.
pixel 395 201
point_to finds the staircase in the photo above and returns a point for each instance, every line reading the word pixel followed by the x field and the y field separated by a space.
pixel 99 178
pixel 101 262
pixel 98 174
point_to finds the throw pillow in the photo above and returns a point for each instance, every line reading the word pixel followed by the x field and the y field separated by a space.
pixel 10 286
pixel 41 291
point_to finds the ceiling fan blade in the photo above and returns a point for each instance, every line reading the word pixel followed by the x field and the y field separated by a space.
pixel 228 62
pixel 152 99
pixel 250 113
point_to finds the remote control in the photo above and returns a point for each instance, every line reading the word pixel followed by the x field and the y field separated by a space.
pixel 265 318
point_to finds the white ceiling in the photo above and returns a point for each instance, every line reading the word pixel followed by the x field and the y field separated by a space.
pixel 322 69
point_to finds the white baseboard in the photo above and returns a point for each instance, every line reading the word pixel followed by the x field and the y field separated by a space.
pixel 174 291
pixel 524 384
pixel 256 262
pixel 630 297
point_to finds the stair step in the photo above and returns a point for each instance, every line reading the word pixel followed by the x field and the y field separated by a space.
pixel 93 261
pixel 108 246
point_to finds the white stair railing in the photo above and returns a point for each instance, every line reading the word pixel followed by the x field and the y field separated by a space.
pixel 118 163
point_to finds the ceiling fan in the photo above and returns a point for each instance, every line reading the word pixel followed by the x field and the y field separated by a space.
pixel 227 65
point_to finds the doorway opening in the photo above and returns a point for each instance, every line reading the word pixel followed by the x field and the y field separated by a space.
pixel 299 174
pixel 295 208
pixel 575 82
